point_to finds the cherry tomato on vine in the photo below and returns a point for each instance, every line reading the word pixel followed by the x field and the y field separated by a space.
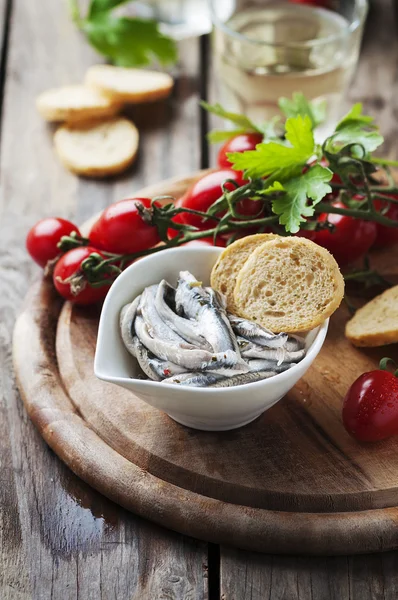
pixel 179 218
pixel 239 143
pixel 204 192
pixel 350 240
pixel 370 409
pixel 43 237
pixel 207 190
pixel 208 241
pixel 68 265
pixel 387 236
pixel 121 230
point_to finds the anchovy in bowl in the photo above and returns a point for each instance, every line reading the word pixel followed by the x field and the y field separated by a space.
pixel 185 336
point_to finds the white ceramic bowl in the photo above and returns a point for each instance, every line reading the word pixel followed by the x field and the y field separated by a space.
pixel 210 409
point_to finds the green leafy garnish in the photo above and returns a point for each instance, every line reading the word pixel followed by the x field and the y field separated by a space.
pixel 243 123
pixel 281 160
pixel 127 42
pixel 356 129
pixel 299 105
pixel 294 205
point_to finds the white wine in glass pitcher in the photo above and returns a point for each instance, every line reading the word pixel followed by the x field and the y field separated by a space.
pixel 263 50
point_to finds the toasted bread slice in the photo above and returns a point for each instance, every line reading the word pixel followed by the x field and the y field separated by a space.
pixel 376 323
pixel 75 103
pixel 230 262
pixel 129 85
pixel 289 284
pixel 99 148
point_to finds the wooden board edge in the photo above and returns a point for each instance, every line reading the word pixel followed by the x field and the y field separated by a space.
pixel 135 489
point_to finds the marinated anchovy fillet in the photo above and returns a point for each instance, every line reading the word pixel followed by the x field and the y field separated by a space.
pixel 142 356
pixel 257 334
pixel 194 302
pixel 156 326
pixel 242 379
pixel 127 317
pixel 165 368
pixel 262 364
pixel 280 355
pixel 184 336
pixel 196 379
pixel 184 327
pixel 180 354
pixel 295 343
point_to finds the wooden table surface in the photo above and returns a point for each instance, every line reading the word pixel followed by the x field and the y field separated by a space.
pixel 59 539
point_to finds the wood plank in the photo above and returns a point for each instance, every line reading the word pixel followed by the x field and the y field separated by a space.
pixel 254 576
pixel 59 538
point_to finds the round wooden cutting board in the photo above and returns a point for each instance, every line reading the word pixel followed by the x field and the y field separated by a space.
pixel 291 482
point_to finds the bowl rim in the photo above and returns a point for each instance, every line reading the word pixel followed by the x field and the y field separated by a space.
pixel 310 356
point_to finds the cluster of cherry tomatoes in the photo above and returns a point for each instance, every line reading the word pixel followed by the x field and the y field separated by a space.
pixel 121 228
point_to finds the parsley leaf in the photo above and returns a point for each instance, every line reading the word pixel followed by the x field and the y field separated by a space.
pixel 356 128
pixel 282 160
pixel 221 135
pixel 242 121
pixel 127 42
pixel 293 206
pixel 98 6
pixel 299 105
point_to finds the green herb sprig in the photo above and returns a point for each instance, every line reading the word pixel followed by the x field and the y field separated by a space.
pixel 127 42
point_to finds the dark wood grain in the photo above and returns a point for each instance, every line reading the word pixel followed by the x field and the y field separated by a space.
pixel 250 576
pixel 59 538
pixel 255 577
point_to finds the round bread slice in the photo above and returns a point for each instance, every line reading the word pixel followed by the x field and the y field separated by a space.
pixel 129 85
pixel 376 323
pixel 230 262
pixel 289 284
pixel 99 148
pixel 75 103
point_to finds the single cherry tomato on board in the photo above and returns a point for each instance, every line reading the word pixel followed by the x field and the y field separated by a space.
pixel 387 236
pixel 121 230
pixel 239 143
pixel 370 409
pixel 42 239
pixel 350 240
pixel 70 264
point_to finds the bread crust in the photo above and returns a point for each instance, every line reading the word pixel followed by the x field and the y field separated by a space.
pixel 97 149
pixel 129 85
pixel 75 103
pixel 376 323
pixel 306 294
pixel 231 260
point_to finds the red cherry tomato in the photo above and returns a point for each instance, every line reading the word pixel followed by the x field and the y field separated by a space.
pixel 42 239
pixel 121 230
pixel 387 236
pixel 205 192
pixel 350 240
pixel 370 409
pixel 68 265
pixel 239 143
